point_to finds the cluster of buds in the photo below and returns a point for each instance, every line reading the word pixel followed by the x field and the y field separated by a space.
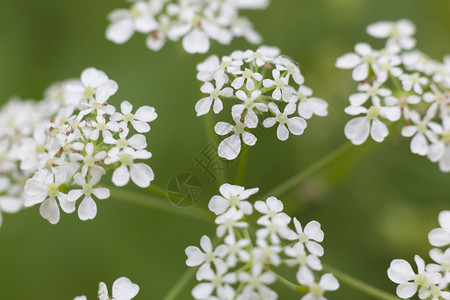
pixel 400 83
pixel 77 141
pixel 242 267
pixel 194 22
pixel 431 281
pixel 265 84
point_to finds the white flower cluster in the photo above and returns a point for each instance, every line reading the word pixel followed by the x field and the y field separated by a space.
pixel 431 280
pixel 123 289
pixel 61 147
pixel 19 129
pixel 195 22
pixel 240 268
pixel 264 83
pixel 400 83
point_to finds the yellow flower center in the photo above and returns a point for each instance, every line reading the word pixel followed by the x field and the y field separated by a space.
pixel 89 93
pixel 373 113
pixel 52 190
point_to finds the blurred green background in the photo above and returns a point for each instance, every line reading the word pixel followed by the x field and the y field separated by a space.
pixel 376 204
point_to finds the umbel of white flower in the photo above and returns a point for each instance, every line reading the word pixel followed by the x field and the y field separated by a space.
pixel 122 289
pixel 430 281
pixel 241 266
pixel 77 138
pixel 266 89
pixel 398 83
pixel 194 22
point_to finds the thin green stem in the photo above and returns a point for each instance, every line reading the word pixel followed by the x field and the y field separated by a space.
pixel 242 166
pixel 359 285
pixel 212 138
pixel 159 204
pixel 312 169
pixel 181 283
pixel 284 281
pixel 157 190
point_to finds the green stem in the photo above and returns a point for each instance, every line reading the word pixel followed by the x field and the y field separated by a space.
pixel 312 169
pixel 158 190
pixel 284 281
pixel 184 279
pixel 242 166
pixel 160 204
pixel 212 138
pixel 359 285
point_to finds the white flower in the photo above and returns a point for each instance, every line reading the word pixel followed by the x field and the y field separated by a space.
pixel 310 236
pixel 230 220
pixel 136 142
pixel 266 254
pixel 256 284
pixel 204 105
pixel 214 68
pixel 400 272
pixel 94 84
pixel 90 160
pixel 158 37
pixel 8 203
pixel 250 117
pixel 216 281
pixel 414 81
pixel 281 84
pixel 316 290
pixel 236 249
pixel 357 130
pixel 439 151
pixel 274 227
pixel 197 257
pixel 443 259
pixel 296 125
pixel 399 34
pixel 101 126
pixel 271 208
pixel 123 289
pixel 440 237
pixel 301 258
pixel 126 21
pixel 309 106
pixel 230 147
pixel 248 77
pixel 44 188
pixel 232 196
pixel 242 27
pixel 262 55
pixel 87 209
pixel 385 65
pixel 422 130
pixel 374 92
pixel 140 173
pixel 359 61
pixel 434 292
pixel 285 64
pixel 252 4
pixel 139 120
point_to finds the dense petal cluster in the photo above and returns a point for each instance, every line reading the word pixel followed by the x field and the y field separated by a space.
pixel 268 88
pixel 194 22
pixel 21 138
pixel 68 142
pixel 400 84
pixel 242 267
pixel 431 281
pixel 122 289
